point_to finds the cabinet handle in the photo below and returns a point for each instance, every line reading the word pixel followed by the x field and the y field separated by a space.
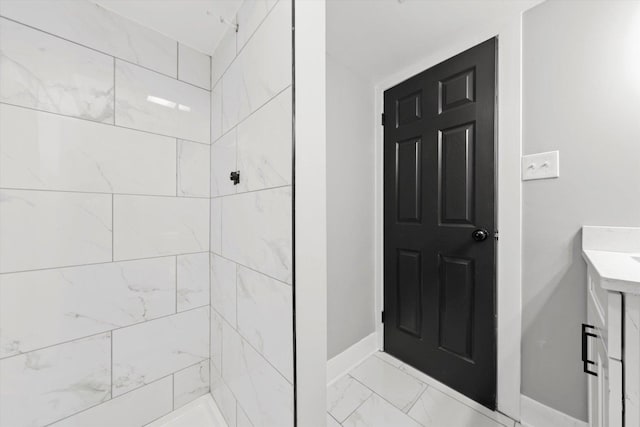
pixel 585 346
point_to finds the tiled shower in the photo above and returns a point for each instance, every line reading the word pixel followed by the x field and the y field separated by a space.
pixel 135 276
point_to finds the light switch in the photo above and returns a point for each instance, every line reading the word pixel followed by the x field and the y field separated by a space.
pixel 541 166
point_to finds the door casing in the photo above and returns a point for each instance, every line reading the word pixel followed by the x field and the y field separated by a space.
pixel 508 207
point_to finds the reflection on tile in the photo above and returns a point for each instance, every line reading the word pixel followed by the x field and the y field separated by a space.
pixel 193 280
pixel 257 231
pixel 436 409
pixel 148 351
pixel 194 67
pixel 50 152
pixel 157 226
pixel 393 385
pixel 344 396
pixel 47 73
pixel 222 57
pixel 261 70
pixel 134 409
pixel 216 340
pixel 43 229
pixel 265 395
pixel 43 386
pixel 250 16
pixel 223 162
pixel 265 318
pixel 156 103
pixel 223 288
pixel 216 226
pixel 193 169
pixel 224 397
pixel 376 412
pixel 76 302
pixel 216 112
pixel 191 383
pixel 264 145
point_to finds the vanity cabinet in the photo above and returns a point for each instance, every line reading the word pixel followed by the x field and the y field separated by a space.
pixel 611 337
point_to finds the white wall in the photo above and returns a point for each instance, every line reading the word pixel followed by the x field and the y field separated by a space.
pixel 350 213
pixel 104 211
pixel 581 95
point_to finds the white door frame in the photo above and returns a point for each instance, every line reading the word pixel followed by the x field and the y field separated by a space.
pixel 509 205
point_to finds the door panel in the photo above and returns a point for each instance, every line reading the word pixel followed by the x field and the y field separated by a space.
pixel 439 187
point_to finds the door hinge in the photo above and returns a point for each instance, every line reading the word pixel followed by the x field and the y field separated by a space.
pixel 382 119
pixel 495 234
pixel 382 316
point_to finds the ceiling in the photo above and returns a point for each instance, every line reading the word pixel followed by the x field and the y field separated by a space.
pixel 195 23
pixel 379 37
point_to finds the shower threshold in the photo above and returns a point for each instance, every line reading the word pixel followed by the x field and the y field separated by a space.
pixel 201 412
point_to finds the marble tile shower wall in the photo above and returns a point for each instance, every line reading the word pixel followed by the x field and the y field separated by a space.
pixel 104 218
pixel 251 223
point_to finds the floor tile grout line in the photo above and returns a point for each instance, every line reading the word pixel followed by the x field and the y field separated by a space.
pixel 108 331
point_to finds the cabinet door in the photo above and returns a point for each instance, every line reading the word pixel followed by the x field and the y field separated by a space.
pixel 598 385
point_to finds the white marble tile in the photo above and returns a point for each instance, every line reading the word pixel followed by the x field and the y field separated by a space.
pixel 216 112
pixel 193 169
pixel 44 307
pixel 223 56
pixel 193 280
pixel 44 386
pixel 148 351
pixel 344 396
pixel 47 151
pixel 47 73
pixel 157 226
pixel 265 395
pixel 223 162
pixel 376 412
pixel 436 409
pixel 261 70
pixel 256 231
pixel 265 318
pixel 264 145
pixel 216 340
pixel 389 359
pixel 242 420
pixel 43 229
pixel 190 383
pixel 194 67
pixel 223 288
pixel 392 384
pixel 150 101
pixel 91 25
pixel 224 398
pixel 216 226
pixel 250 16
pixel 134 409
pixel 331 422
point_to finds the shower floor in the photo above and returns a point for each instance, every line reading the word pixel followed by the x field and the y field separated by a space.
pixel 202 412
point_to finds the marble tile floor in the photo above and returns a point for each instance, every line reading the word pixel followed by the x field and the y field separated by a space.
pixel 383 391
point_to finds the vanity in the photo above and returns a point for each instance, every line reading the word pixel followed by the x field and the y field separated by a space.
pixel 611 336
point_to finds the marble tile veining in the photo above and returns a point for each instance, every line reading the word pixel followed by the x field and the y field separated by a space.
pixel 223 288
pixel 215 229
pixel 157 226
pixel 193 280
pixel 257 231
pixel 216 340
pixel 376 412
pixel 148 351
pixel 223 397
pixel 149 101
pixel 223 162
pixel 47 73
pixel 250 15
pixel 193 169
pixel 216 112
pixel 47 151
pixel 44 386
pixel 91 25
pixel 191 383
pixel 43 229
pixel 222 57
pixel 133 409
pixel 265 318
pixel 45 307
pixel 345 396
pixel 194 67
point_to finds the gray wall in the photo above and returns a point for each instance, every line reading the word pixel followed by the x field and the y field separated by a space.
pixel 350 208
pixel 581 95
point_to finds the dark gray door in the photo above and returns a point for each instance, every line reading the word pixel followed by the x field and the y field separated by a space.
pixel 439 222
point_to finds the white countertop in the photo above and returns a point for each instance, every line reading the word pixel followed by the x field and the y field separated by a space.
pixel 614 254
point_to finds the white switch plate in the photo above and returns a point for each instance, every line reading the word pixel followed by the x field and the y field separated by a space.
pixel 541 166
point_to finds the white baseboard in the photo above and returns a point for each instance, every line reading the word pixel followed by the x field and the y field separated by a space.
pixel 342 363
pixel 536 414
